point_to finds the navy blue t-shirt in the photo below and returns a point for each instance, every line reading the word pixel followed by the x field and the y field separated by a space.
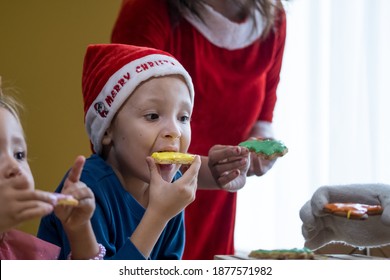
pixel 116 216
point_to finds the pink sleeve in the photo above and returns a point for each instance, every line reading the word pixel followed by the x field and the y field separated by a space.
pixel 18 245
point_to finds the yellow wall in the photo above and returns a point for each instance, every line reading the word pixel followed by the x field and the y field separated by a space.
pixel 42 44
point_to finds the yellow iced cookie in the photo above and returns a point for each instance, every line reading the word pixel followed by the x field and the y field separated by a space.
pixel 172 158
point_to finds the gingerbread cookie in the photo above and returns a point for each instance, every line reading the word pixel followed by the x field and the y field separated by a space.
pixel 353 210
pixel 283 254
pixel 268 149
pixel 172 158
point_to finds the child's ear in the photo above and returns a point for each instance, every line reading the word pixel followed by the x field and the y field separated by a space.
pixel 107 137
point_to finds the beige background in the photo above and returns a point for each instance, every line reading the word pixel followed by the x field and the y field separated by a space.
pixel 42 45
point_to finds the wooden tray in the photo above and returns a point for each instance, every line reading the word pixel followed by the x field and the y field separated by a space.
pixel 316 257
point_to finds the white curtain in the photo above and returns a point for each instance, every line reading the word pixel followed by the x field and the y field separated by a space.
pixel 333 113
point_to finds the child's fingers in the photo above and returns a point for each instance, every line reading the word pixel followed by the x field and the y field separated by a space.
pixel 82 192
pixel 193 170
pixel 37 195
pixel 152 165
pixel 152 168
pixel 76 170
pixel 33 209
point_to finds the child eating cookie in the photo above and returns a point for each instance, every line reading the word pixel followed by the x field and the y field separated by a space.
pixel 20 202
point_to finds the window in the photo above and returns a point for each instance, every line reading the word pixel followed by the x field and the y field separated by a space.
pixel 333 113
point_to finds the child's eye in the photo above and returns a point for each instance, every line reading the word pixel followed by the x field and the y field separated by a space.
pixel 184 119
pixel 152 117
pixel 20 155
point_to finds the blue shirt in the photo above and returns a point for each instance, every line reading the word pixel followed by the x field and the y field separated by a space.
pixel 116 216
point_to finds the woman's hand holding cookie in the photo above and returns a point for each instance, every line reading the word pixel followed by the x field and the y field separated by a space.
pixel 264 153
pixel 259 166
pixel 229 166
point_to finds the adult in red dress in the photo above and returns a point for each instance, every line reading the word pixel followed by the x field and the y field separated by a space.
pixel 233 52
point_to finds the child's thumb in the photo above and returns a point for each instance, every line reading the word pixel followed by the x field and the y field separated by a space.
pixel 152 167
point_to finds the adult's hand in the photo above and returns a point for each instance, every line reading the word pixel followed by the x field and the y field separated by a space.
pixel 229 166
pixel 320 228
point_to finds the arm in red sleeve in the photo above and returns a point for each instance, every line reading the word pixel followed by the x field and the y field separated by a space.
pixel 273 75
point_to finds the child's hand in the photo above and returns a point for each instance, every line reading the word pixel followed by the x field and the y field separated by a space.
pixel 319 227
pixel 19 202
pixel 169 199
pixel 73 217
pixel 229 166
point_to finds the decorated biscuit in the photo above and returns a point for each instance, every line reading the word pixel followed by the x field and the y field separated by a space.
pixel 63 199
pixel 172 158
pixel 353 210
pixel 268 149
pixel 282 254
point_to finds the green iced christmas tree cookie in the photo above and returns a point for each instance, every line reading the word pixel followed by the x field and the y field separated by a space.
pixel 266 148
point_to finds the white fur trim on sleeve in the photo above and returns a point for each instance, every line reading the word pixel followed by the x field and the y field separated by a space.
pixel 263 129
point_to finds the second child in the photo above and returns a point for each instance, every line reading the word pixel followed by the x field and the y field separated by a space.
pixel 20 202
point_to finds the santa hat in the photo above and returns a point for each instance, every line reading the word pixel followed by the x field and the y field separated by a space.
pixel 111 73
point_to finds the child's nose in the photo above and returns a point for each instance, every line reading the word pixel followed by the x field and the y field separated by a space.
pixel 173 131
pixel 173 134
pixel 11 167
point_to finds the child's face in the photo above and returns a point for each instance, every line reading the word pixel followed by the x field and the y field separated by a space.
pixel 14 167
pixel 155 118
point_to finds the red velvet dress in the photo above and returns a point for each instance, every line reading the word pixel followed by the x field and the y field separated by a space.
pixel 233 90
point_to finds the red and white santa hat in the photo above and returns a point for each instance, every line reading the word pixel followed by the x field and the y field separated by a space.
pixel 111 73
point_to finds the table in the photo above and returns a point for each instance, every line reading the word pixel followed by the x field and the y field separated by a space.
pixel 316 257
